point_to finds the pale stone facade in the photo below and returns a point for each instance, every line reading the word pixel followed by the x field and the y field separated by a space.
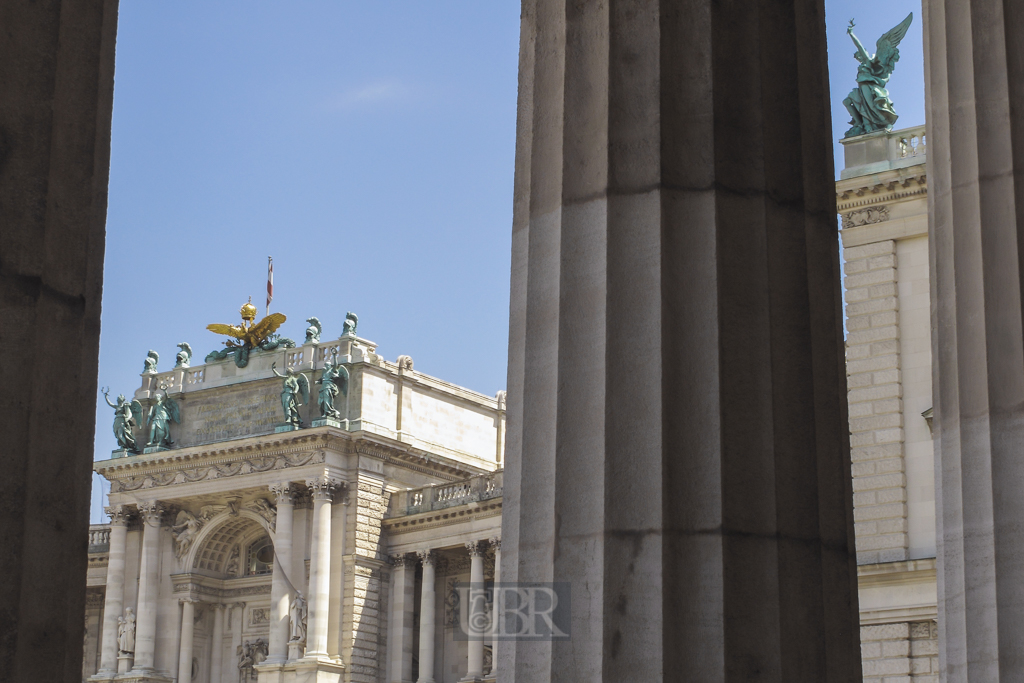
pixel 882 198
pixel 211 540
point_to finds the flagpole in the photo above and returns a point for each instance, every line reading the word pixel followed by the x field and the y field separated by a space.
pixel 270 282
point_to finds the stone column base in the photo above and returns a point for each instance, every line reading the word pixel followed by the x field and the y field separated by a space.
pixel 302 671
pixel 140 677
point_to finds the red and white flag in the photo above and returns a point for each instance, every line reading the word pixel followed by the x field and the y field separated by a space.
pixel 270 282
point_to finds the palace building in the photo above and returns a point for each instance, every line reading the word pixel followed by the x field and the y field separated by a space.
pixel 247 548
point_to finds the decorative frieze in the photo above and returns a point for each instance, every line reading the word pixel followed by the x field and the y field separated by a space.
pixel 867 216
pixel 215 471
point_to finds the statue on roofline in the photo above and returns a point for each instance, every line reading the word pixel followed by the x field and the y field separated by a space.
pixel 296 387
pixel 313 331
pixel 184 356
pixel 152 358
pixel 333 380
pixel 127 415
pixel 869 102
pixel 159 419
pixel 350 324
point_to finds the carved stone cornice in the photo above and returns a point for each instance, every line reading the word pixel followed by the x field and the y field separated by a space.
pixel 887 191
pixel 440 518
pixel 215 471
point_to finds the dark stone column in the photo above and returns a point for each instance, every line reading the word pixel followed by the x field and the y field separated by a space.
pixel 678 446
pixel 57 79
pixel 975 85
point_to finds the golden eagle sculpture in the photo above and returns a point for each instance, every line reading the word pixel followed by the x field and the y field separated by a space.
pixel 249 336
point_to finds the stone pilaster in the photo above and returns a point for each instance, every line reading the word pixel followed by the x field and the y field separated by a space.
pixel 974 67
pixel 400 647
pixel 188 618
pixel 676 346
pixel 875 396
pixel 427 607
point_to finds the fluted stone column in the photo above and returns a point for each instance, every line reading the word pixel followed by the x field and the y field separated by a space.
pixel 113 601
pixel 318 601
pixel 974 63
pixel 427 619
pixel 188 618
pixel 677 437
pixel 475 613
pixel 495 607
pixel 280 583
pixel 400 648
pixel 217 649
pixel 149 579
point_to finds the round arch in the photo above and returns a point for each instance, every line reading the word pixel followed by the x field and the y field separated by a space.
pixel 213 541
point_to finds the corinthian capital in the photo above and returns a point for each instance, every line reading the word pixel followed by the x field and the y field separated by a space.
pixel 284 493
pixel 118 514
pixel 475 548
pixel 151 513
pixel 322 487
pixel 427 557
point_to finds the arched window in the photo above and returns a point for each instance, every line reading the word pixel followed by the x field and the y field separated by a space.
pixel 260 558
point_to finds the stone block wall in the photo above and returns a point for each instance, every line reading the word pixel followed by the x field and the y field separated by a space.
pixel 874 386
pixel 905 652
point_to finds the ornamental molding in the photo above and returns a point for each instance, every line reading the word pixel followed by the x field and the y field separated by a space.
pixel 879 193
pixel 254 465
pixel 443 518
pixel 867 216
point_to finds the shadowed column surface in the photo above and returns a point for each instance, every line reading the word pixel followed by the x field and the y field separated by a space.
pixel 974 62
pixel 677 444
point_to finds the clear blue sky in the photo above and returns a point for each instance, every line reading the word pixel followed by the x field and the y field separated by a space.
pixel 368 147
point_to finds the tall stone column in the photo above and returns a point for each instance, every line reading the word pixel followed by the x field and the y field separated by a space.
pixel 149 580
pixel 318 600
pixel 400 648
pixel 113 601
pixel 280 582
pixel 188 618
pixel 475 613
pixel 217 646
pixel 427 619
pixel 57 70
pixel 237 615
pixel 678 446
pixel 495 607
pixel 974 69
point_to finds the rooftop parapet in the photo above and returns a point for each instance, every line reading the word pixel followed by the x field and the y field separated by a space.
pixel 884 151
pixel 440 496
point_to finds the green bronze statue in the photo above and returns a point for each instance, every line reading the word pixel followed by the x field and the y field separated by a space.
pixel 869 102
pixel 348 328
pixel 152 358
pixel 184 356
pixel 126 417
pixel 333 380
pixel 294 395
pixel 159 419
pixel 313 331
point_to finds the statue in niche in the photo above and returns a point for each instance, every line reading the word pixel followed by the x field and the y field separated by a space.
pixel 348 329
pixel 869 104
pixel 184 356
pixel 126 632
pixel 161 414
pixel 263 508
pixel 298 612
pixel 294 395
pixel 313 331
pixel 234 561
pixel 152 358
pixel 185 528
pixel 333 380
pixel 126 417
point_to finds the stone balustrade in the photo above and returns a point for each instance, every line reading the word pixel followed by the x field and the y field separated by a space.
pixel 883 151
pixel 440 496
pixel 99 537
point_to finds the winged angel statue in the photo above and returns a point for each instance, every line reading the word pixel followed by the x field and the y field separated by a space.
pixel 869 102
pixel 249 336
pixel 127 415
pixel 161 414
pixel 333 380
pixel 296 387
